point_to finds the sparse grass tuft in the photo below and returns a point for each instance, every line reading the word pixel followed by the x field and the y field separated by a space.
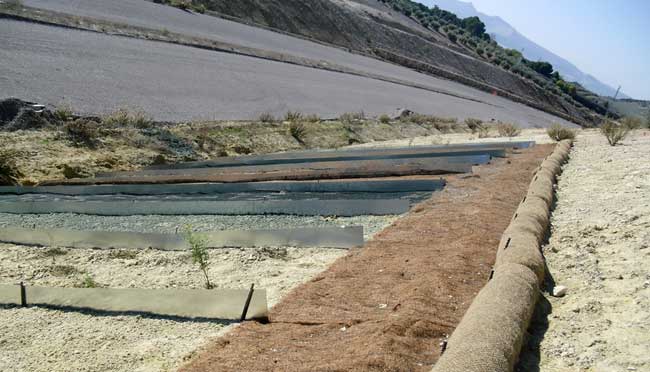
pixel 298 130
pixel 82 133
pixel 419 118
pixel 54 252
pixel 63 112
pixel 88 282
pixel 632 123
pixel 614 132
pixel 293 116
pixel 200 255
pixel 441 127
pixel 559 133
pixel 159 159
pixel 74 171
pixel 508 129
pixel 384 119
pixel 266 117
pixel 9 172
pixel 123 254
pixel 126 118
pixel 352 117
pixel 63 270
pixel 313 118
pixel 485 131
pixel 474 125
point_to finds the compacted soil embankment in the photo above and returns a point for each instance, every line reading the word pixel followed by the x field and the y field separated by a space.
pixel 599 250
pixel 389 305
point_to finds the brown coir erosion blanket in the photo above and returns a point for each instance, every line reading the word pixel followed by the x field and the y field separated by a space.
pixel 388 306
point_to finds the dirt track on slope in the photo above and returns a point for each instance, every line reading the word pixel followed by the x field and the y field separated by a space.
pixel 388 306
pixel 111 72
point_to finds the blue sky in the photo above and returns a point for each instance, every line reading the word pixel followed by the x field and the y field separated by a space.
pixel 609 39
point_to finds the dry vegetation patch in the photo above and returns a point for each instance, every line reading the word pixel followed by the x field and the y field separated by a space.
pixel 614 132
pixel 508 129
pixel 127 139
pixel 9 172
pixel 558 133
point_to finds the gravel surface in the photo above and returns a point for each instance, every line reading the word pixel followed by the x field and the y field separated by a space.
pixel 96 73
pixel 171 224
pixel 36 339
pixel 599 249
pixel 411 196
pixel 40 340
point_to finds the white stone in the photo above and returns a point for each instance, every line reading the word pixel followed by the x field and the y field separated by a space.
pixel 559 291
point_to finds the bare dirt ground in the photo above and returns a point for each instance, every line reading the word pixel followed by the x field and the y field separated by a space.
pixel 538 135
pixel 39 339
pixel 387 306
pixel 599 249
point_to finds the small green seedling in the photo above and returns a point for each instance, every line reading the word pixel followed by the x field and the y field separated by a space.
pixel 199 250
pixel 88 282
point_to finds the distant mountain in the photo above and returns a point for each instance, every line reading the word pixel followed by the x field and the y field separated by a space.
pixel 509 37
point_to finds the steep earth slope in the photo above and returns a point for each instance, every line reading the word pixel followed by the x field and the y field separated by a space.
pixel 97 73
pixel 372 27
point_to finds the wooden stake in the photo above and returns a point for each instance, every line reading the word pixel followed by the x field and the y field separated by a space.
pixel 247 304
pixel 23 295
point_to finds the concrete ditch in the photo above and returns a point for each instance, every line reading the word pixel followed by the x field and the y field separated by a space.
pixel 491 333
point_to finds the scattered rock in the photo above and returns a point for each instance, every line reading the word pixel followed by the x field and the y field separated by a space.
pixel 401 113
pixel 16 114
pixel 559 291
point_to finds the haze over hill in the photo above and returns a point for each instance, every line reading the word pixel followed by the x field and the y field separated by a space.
pixel 509 37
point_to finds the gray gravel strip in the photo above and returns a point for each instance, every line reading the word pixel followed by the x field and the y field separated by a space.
pixel 172 224
pixel 411 196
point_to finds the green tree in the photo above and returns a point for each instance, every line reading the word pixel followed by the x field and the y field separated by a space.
pixel 541 67
pixel 474 26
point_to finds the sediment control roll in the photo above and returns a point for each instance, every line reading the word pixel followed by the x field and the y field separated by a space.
pixel 490 335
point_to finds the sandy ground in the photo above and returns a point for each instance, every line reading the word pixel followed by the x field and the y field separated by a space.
pixel 533 134
pixel 38 339
pixel 599 249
